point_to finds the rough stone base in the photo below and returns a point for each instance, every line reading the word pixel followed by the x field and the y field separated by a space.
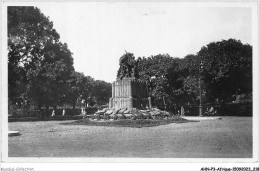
pixel 125 113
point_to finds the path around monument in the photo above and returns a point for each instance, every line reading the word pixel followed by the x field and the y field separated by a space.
pixel 230 137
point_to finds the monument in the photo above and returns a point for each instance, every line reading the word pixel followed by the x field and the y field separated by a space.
pixel 127 91
pixel 129 95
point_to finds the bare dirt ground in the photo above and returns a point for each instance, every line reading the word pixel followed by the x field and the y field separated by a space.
pixel 230 137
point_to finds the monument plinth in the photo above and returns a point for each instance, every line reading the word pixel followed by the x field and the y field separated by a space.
pixel 129 93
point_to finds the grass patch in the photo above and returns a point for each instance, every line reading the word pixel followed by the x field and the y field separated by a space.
pixel 139 123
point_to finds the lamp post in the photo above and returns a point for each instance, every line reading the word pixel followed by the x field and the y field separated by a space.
pixel 200 90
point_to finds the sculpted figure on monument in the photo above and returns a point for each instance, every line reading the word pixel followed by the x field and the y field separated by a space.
pixel 127 67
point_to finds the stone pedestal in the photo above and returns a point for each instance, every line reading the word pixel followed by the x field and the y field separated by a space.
pixel 129 93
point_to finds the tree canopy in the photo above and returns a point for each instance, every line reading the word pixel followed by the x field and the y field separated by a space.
pixel 41 71
pixel 40 66
pixel 224 67
pixel 227 68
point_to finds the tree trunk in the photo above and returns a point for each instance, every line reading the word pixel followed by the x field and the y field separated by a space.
pixel 164 103
pixel 74 104
pixel 47 110
pixel 39 105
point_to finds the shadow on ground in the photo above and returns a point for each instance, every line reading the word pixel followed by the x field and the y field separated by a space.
pixel 139 123
pixel 54 118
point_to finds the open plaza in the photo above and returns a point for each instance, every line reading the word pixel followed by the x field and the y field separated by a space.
pixel 228 137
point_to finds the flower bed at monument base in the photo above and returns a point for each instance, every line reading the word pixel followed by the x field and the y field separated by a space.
pixel 133 114
pixel 138 123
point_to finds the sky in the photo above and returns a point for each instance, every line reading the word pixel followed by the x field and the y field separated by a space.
pixel 99 33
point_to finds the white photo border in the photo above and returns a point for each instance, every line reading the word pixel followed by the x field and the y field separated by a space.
pixel 130 164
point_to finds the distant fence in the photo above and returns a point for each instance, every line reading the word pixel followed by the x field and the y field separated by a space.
pixel 44 112
pixel 229 109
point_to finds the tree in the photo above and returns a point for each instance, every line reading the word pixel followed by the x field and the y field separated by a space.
pixel 161 73
pixel 80 87
pixel 102 92
pixel 227 68
pixel 39 65
pixel 190 65
pixel 48 80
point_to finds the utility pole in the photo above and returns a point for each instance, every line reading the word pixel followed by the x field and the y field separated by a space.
pixel 200 90
pixel 200 105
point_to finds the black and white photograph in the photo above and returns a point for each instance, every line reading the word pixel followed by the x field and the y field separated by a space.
pixel 130 82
